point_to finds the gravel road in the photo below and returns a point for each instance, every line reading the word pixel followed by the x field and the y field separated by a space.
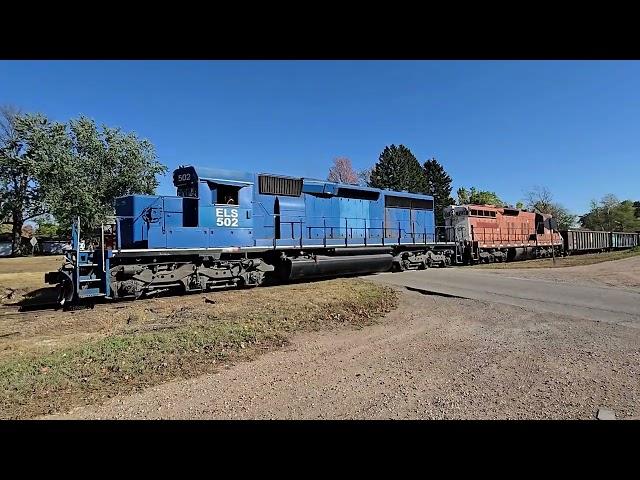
pixel 433 358
pixel 622 274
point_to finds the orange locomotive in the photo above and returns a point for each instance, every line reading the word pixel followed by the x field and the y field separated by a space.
pixel 495 234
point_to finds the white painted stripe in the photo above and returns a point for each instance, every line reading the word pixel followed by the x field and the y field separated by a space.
pixel 279 247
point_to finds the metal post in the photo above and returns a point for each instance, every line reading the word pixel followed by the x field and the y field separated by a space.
pixel 77 275
pixel 365 232
pixel 346 223
pixel 324 230
pixel 104 269
pixel 118 242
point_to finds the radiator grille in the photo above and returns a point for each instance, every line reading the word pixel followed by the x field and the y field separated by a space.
pixel 271 185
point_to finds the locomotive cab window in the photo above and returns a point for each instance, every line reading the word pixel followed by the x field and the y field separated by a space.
pixel 227 195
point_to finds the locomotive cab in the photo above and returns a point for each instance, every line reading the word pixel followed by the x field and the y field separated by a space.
pixel 456 221
pixel 218 203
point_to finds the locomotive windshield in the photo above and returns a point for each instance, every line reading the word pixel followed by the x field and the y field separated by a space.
pixel 186 182
pixel 188 191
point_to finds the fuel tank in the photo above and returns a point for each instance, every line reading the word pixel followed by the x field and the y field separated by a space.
pixel 326 266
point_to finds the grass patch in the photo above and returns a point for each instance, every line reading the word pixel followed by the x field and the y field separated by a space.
pixel 20 277
pixel 570 261
pixel 117 350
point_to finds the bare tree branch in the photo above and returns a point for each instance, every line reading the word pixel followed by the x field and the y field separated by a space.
pixel 342 172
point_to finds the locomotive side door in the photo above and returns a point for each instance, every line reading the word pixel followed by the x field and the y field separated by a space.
pixel 229 214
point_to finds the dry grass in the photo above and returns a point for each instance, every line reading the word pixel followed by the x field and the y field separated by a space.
pixel 51 361
pixel 30 264
pixel 22 275
pixel 570 261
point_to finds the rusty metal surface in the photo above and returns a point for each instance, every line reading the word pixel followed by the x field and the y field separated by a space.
pixel 499 230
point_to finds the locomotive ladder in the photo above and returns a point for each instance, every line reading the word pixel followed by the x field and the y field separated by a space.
pixel 88 267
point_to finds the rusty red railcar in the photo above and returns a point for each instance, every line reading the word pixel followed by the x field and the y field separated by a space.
pixel 492 233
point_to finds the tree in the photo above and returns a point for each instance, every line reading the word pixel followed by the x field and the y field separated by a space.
pixel 541 199
pixel 478 197
pixel 611 214
pixel 636 207
pixel 519 205
pixel 20 198
pixel 88 167
pixel 46 227
pixel 438 184
pixel 463 196
pixel 342 172
pixel 398 169
pixel 364 177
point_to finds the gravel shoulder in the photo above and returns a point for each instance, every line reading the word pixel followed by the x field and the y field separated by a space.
pixel 623 274
pixel 432 358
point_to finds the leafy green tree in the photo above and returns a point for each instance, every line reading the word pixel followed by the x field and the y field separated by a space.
pixel 519 205
pixel 438 184
pixel 463 196
pixel 88 167
pixel 541 199
pixel 398 169
pixel 478 197
pixel 20 197
pixel 611 214
pixel 484 197
pixel 636 207
pixel 46 227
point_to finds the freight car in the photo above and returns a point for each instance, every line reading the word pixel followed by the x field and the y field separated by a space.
pixel 227 228
pixel 590 241
pixel 499 234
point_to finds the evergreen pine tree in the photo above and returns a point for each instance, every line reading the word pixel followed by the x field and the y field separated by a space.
pixel 438 184
pixel 398 169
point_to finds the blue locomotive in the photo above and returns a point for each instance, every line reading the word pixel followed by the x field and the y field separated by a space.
pixel 227 228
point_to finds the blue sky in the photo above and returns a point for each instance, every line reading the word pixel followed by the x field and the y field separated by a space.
pixel 573 126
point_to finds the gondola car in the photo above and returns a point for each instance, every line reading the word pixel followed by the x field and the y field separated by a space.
pixel 592 241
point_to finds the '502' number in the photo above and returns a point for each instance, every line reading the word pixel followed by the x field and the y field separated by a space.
pixel 227 222
pixel 227 217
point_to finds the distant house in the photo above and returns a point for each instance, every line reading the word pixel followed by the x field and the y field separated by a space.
pixel 45 245
pixel 51 246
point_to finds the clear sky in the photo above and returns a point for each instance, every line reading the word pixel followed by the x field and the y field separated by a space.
pixel 497 125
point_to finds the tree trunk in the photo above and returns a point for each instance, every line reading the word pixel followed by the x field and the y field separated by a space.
pixel 16 240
